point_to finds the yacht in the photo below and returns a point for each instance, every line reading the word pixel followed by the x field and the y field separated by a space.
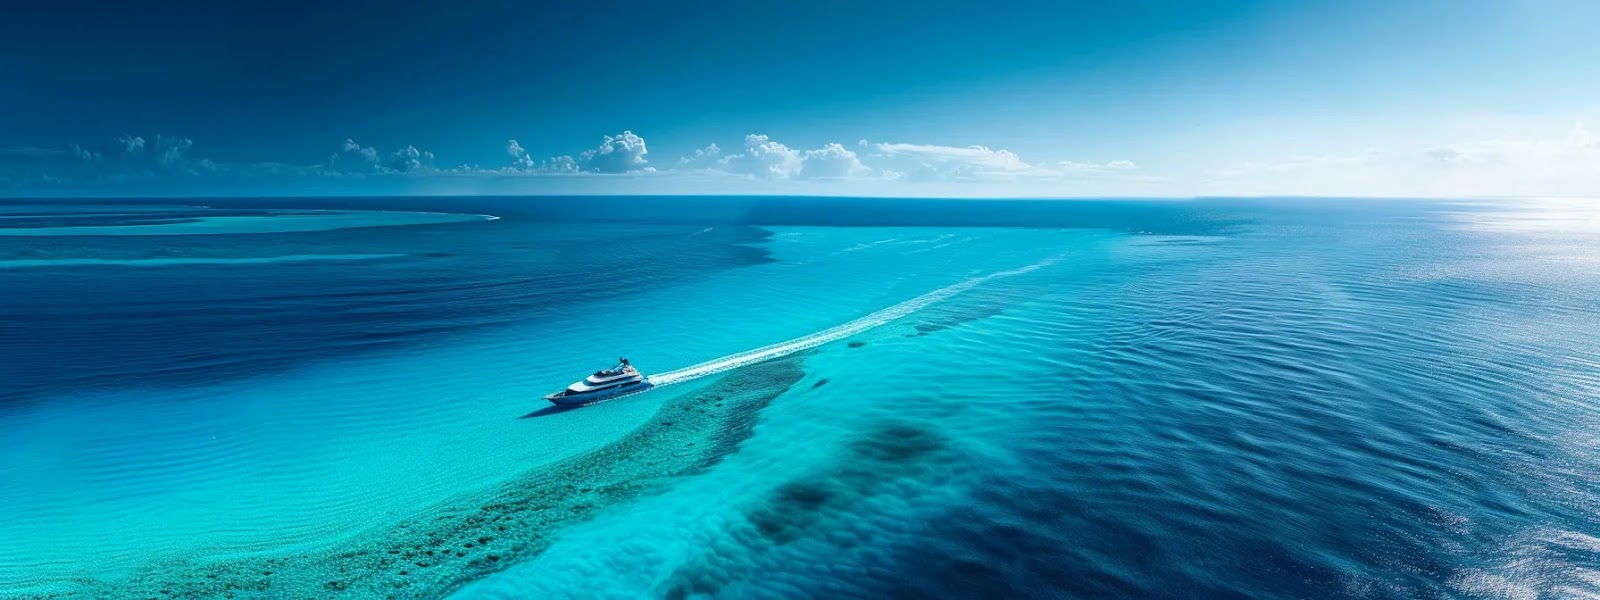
pixel 604 384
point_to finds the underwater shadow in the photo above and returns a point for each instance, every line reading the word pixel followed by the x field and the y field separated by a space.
pixel 548 410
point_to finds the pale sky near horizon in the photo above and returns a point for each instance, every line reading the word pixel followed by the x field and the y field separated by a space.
pixel 1056 99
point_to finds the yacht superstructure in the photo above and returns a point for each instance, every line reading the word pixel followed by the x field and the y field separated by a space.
pixel 604 384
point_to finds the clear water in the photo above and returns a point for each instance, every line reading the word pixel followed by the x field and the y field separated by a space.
pixel 958 399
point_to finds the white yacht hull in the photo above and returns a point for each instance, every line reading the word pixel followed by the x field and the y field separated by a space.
pixel 570 398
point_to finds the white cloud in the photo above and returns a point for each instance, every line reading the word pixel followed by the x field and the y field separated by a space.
pixel 559 164
pixel 1566 163
pixel 832 161
pixel 172 149
pixel 617 154
pixel 929 161
pixel 126 158
pixel 170 156
pixel 760 159
pixel 1522 156
pixel 763 158
pixel 1105 169
pixel 1578 147
pixel 1536 159
pixel 768 159
pixel 702 158
pixel 131 144
pixel 622 153
pixel 979 156
pixel 354 158
pixel 521 161
pixel 519 155
pixel 410 160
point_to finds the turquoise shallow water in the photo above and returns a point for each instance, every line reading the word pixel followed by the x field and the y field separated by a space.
pixel 1211 398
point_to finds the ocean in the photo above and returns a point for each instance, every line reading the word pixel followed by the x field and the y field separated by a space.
pixel 859 398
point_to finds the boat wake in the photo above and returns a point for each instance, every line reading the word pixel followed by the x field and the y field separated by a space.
pixel 832 334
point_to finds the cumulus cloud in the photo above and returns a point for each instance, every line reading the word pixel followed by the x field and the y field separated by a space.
pixel 560 164
pixel 354 158
pixel 172 150
pixel 131 144
pixel 621 153
pixel 519 155
pixel 763 158
pixel 617 154
pixel 702 158
pixel 410 160
pixel 522 161
pixel 121 159
pixel 832 161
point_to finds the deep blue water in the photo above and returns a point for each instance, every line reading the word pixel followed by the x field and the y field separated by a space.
pixel 107 326
pixel 1269 398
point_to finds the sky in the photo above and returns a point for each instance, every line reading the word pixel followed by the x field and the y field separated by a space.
pixel 1428 98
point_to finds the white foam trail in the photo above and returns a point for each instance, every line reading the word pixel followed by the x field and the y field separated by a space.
pixel 831 334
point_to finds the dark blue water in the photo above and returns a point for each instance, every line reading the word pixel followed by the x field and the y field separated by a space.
pixel 71 328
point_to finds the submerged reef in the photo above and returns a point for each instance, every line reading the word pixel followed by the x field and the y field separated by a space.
pixel 472 535
pixel 892 459
pixel 952 319
pixel 983 306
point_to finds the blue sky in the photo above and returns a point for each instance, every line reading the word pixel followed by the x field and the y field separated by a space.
pixel 1416 98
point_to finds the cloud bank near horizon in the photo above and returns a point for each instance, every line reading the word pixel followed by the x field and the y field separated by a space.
pixel 1549 163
